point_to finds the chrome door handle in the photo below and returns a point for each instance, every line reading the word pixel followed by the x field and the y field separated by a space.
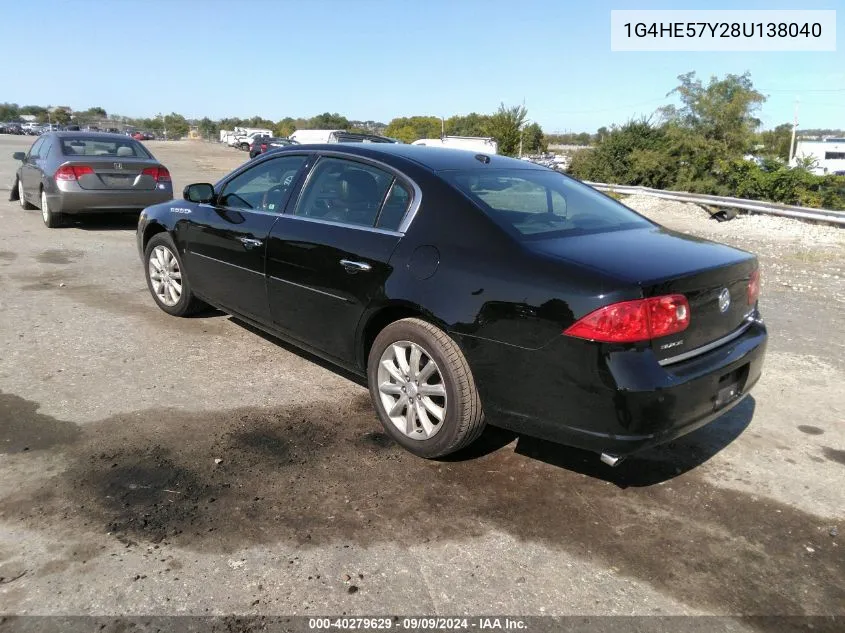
pixel 354 267
pixel 250 243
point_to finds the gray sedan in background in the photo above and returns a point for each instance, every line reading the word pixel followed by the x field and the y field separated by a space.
pixel 76 172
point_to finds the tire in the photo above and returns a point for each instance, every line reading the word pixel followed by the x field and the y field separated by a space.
pixel 52 218
pixel 187 303
pixel 460 406
pixel 24 204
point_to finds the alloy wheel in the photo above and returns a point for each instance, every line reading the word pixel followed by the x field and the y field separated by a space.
pixel 412 390
pixel 165 276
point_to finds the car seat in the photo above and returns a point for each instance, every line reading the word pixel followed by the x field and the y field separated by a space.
pixel 359 201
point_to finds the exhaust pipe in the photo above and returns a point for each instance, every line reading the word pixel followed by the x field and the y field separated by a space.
pixel 611 460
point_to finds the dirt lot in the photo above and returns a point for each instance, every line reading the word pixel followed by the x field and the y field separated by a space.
pixel 113 414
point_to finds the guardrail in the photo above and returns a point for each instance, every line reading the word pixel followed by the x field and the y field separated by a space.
pixel 754 206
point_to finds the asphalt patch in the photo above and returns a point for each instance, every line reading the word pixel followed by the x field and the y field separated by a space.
pixel 322 475
pixel 58 256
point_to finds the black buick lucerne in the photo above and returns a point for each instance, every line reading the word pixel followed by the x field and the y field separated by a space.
pixel 469 288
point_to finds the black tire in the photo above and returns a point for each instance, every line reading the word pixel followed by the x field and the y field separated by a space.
pixel 464 418
pixel 26 206
pixel 53 218
pixel 188 303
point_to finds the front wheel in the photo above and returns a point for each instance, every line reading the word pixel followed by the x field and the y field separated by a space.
pixel 423 389
pixel 166 277
pixel 53 218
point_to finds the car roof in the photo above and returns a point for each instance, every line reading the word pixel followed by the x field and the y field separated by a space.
pixel 432 158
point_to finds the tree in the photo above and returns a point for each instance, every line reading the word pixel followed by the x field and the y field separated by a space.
pixel 9 111
pixel 328 121
pixel 61 115
pixel 410 129
pixel 723 111
pixel 505 126
pixel 776 142
pixel 533 139
pixel 176 125
pixel 208 128
pixel 285 127
pixel 472 124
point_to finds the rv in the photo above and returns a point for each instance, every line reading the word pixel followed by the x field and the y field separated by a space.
pixel 483 144
pixel 828 155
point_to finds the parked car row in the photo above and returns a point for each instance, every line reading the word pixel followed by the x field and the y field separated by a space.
pixel 464 288
pixel 263 144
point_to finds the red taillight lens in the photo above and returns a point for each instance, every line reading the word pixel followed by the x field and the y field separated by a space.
pixel 72 172
pixel 754 287
pixel 159 174
pixel 633 321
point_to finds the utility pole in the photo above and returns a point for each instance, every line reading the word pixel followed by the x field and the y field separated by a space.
pixel 792 142
pixel 442 128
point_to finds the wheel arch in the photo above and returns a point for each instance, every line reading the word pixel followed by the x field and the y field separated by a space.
pixel 152 228
pixel 378 319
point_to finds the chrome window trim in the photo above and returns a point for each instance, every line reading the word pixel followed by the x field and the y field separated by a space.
pixel 749 321
pixel 413 207
pixel 357 227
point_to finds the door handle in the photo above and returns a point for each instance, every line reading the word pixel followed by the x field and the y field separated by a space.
pixel 250 242
pixel 354 267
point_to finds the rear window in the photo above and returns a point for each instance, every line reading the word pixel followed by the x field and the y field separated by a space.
pixel 123 148
pixel 535 204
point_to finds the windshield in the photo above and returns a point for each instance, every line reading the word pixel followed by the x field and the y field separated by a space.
pixel 534 204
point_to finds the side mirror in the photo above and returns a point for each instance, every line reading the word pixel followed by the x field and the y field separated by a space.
pixel 21 156
pixel 199 192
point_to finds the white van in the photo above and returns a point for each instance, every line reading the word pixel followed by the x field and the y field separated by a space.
pixel 483 144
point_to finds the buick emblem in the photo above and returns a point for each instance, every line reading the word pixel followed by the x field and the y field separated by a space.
pixel 118 165
pixel 724 300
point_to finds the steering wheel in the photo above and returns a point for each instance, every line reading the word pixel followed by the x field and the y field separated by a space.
pixel 275 189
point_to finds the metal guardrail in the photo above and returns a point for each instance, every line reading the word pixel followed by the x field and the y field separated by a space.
pixel 754 206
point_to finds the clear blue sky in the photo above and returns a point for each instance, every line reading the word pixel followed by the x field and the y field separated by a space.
pixel 377 59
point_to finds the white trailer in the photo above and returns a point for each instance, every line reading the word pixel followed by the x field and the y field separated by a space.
pixel 828 155
pixel 483 144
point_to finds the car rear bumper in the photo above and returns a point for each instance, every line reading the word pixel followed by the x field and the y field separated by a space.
pixel 71 198
pixel 618 402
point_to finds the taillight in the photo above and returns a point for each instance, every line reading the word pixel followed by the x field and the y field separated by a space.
pixel 633 321
pixel 159 174
pixel 72 172
pixel 754 287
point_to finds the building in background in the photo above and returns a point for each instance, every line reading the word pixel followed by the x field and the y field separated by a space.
pixel 827 155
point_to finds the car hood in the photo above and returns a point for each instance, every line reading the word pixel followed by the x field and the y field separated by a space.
pixel 640 256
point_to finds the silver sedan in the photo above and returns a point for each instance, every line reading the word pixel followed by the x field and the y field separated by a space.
pixel 75 172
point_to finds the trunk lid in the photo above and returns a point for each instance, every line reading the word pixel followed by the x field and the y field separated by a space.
pixel 713 277
pixel 116 173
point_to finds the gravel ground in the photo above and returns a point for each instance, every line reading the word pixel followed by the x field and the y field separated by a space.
pixel 113 417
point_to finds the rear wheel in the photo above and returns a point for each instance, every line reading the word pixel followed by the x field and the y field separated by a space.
pixel 52 218
pixel 24 204
pixel 166 277
pixel 423 389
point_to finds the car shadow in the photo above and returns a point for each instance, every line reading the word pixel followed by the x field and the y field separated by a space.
pixel 646 468
pixel 103 222
pixel 313 358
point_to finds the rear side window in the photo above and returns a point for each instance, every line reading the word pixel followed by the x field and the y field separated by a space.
pixel 533 204
pixel 93 146
pixel 395 207
pixel 344 191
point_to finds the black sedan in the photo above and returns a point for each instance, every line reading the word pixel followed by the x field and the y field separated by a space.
pixel 467 289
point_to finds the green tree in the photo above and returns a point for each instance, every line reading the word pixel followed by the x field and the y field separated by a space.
pixel 472 124
pixel 328 121
pixel 208 128
pixel 505 126
pixel 776 142
pixel 533 139
pixel 410 129
pixel 9 111
pixel 285 127
pixel 61 115
pixel 176 125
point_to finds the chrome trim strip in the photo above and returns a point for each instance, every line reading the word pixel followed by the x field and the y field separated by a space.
pixel 359 227
pixel 322 292
pixel 710 346
pixel 220 261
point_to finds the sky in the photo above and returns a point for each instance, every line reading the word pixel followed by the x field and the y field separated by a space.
pixel 379 59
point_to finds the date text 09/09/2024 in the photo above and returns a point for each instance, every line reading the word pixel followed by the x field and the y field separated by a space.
pixel 417 623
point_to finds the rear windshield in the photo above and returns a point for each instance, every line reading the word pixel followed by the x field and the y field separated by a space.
pixel 93 146
pixel 535 204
